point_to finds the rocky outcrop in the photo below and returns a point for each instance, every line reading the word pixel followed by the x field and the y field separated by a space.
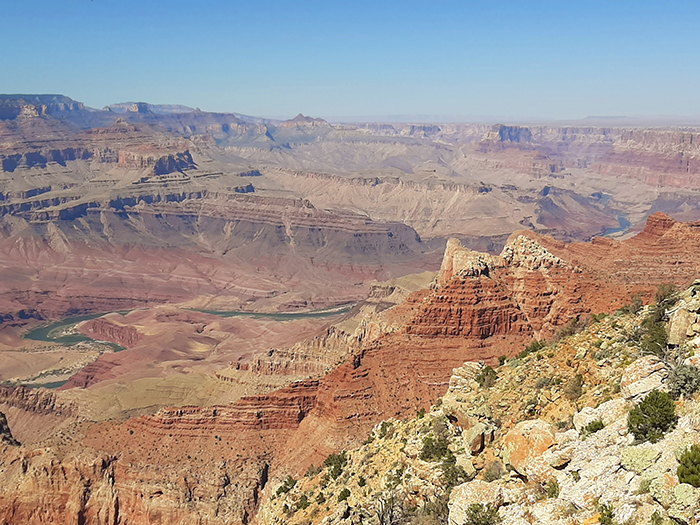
pixel 525 290
pixel 13 106
pixel 11 162
pixel 644 375
pixel 161 163
pixel 526 441
pixel 37 401
pixel 476 492
pixel 105 330
pixel 301 121
pixel 93 488
pixel 282 410
pixel 655 157
pixel 310 357
pixel 469 306
pixel 6 434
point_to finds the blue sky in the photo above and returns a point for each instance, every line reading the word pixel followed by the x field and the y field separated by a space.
pixel 540 59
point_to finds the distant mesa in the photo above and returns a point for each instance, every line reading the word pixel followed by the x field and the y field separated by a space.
pixel 511 133
pixel 302 121
pixel 13 106
pixel 145 108
pixel 139 107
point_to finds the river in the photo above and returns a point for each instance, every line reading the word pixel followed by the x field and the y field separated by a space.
pixel 64 331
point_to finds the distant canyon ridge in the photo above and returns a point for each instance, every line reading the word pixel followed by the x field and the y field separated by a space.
pixel 139 204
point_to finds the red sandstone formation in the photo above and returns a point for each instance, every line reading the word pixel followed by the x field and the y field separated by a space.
pixel 104 330
pixel 664 252
pixel 37 401
pixel 282 410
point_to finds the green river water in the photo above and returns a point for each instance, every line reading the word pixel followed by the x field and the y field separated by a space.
pixel 62 331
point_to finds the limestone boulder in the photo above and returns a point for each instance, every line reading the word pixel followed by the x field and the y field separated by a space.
pixel 467 494
pixel 679 326
pixel 461 403
pixel 477 437
pixel 638 459
pixel 685 504
pixel 607 412
pixel 641 377
pixel 525 441
pixel 466 463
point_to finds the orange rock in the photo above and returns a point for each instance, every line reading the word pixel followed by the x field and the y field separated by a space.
pixel 526 440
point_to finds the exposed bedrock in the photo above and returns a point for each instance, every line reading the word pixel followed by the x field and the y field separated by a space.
pixel 160 163
pixel 106 330
pixel 9 162
pixel 37 401
pixel 6 434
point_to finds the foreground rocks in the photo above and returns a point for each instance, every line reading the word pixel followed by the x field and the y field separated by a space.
pixel 543 463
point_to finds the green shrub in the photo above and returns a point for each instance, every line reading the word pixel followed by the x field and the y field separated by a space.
pixel 594 426
pixel 320 499
pixel 553 488
pixel 361 481
pixel 634 306
pixel 501 360
pixel 287 485
pixel 421 413
pixel 452 475
pixel 487 377
pixel 666 295
pixel 684 380
pixel 653 417
pixel 336 463
pixel 433 448
pixel 535 346
pixel 602 354
pixel 644 486
pixel 435 511
pixel 394 478
pixel 655 339
pixel 344 494
pixel 436 447
pixel 478 514
pixel 543 382
pixel 564 424
pixel 312 471
pixel 386 428
pixel 303 502
pixel 689 466
pixel 606 514
pixel 574 326
pixel 574 387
